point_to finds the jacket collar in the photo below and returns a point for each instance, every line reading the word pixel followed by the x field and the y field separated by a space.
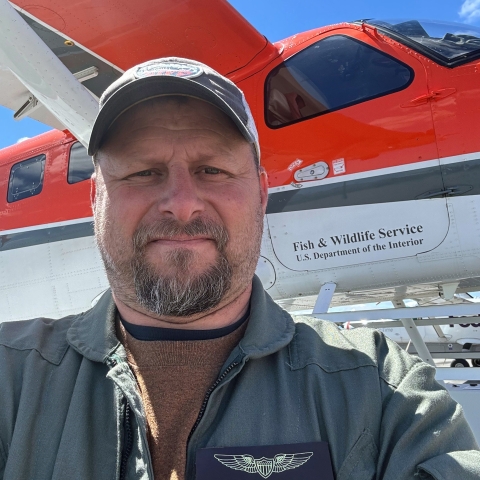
pixel 93 333
pixel 270 328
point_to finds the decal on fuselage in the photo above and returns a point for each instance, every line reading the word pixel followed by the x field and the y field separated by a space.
pixel 322 239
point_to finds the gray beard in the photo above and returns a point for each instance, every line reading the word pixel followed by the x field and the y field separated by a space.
pixel 182 295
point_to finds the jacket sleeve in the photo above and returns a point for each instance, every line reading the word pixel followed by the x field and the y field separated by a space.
pixel 424 434
pixel 10 381
pixel 7 409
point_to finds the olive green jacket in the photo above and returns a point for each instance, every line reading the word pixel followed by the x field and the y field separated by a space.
pixel 66 390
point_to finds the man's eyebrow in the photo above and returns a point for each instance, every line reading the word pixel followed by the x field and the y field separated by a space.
pixel 223 155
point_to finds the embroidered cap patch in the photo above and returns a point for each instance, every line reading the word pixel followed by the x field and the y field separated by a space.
pixel 305 461
pixel 161 69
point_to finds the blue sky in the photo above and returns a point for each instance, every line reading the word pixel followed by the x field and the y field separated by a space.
pixel 281 18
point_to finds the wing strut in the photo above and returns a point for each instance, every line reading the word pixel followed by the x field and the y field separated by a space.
pixel 324 298
pixel 417 340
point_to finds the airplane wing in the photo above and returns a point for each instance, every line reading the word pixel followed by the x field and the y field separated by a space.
pixel 98 40
pixel 423 294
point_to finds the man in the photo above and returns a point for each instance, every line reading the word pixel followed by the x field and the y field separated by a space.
pixel 186 368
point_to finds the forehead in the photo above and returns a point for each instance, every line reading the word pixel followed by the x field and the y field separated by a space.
pixel 166 116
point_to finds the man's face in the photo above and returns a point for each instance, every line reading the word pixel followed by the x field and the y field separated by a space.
pixel 179 208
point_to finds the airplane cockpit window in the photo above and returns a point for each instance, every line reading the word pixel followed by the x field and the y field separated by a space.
pixel 26 178
pixel 80 166
pixel 334 73
pixel 450 44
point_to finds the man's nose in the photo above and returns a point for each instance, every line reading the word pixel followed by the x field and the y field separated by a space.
pixel 180 197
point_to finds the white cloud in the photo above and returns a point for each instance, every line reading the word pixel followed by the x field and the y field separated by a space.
pixel 20 140
pixel 470 10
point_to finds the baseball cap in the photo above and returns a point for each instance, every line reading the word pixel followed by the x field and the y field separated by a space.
pixel 172 76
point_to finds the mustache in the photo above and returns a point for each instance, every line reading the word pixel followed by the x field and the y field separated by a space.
pixel 168 228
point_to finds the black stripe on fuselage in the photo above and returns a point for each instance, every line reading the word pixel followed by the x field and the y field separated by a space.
pixel 393 187
pixel 11 241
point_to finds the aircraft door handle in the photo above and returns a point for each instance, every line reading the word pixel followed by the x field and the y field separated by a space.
pixel 437 193
pixel 433 95
pixel 443 93
pixel 457 190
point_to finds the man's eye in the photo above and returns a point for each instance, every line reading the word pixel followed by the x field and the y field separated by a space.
pixel 145 173
pixel 212 170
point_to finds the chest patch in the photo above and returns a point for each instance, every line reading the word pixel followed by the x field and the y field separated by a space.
pixel 293 461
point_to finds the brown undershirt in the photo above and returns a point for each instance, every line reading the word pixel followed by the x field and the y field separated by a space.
pixel 173 378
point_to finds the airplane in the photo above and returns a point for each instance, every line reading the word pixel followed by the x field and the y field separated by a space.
pixel 367 130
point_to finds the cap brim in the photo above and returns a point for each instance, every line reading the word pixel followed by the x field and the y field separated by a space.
pixel 145 88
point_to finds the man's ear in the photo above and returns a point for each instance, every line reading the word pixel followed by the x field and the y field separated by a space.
pixel 93 189
pixel 263 188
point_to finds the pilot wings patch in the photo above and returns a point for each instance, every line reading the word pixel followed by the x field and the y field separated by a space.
pixel 264 466
pixel 305 461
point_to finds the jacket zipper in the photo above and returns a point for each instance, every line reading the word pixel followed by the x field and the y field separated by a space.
pixel 207 396
pixel 128 444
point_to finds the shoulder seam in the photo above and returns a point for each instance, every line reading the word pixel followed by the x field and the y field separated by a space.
pixel 410 370
pixel 298 360
pixel 326 369
pixel 395 387
pixel 30 349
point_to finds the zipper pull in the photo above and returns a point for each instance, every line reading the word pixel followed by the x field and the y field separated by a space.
pixel 113 360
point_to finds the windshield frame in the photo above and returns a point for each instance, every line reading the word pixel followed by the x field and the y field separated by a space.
pixel 419 48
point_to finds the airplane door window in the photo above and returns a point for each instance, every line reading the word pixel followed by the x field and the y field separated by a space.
pixel 26 178
pixel 80 165
pixel 334 73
